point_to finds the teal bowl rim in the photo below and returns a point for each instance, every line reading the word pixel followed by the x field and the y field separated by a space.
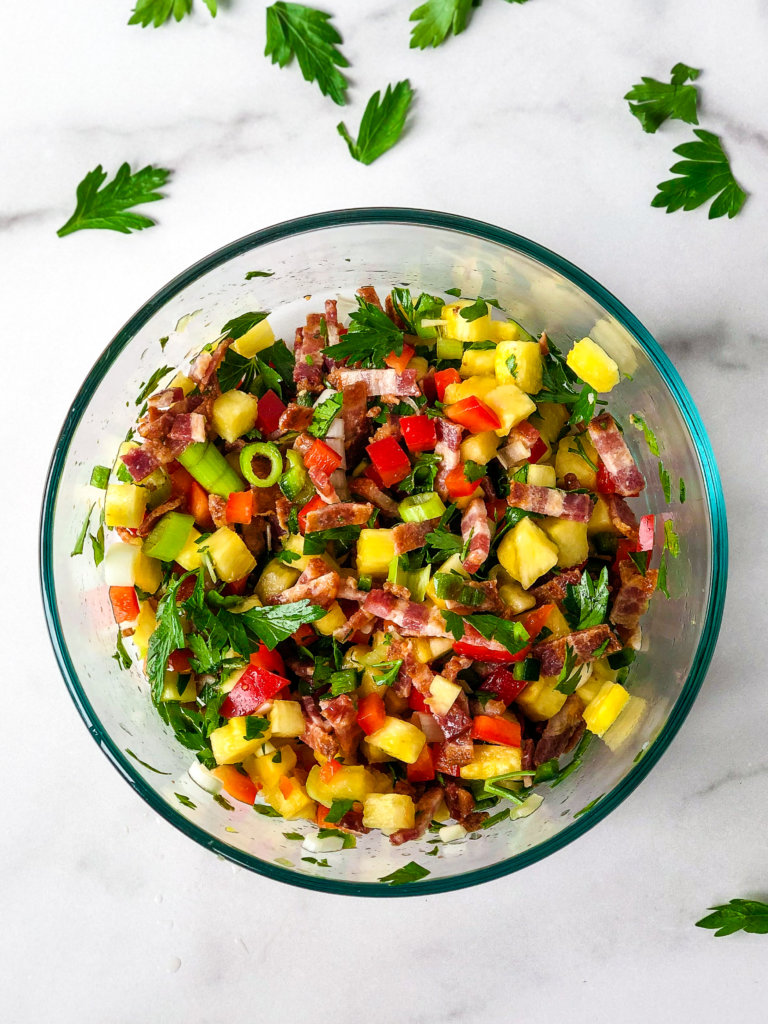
pixel 718 532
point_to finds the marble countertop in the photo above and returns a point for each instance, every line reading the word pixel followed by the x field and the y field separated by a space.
pixel 110 915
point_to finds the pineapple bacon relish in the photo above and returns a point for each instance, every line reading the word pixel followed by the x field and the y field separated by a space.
pixel 388 578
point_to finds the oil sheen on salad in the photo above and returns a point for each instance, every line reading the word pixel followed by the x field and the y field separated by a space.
pixel 386 577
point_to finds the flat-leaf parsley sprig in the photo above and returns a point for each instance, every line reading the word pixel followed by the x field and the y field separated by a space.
pixel 737 915
pixel 305 33
pixel 704 174
pixel 656 101
pixel 109 207
pixel 382 124
pixel 157 12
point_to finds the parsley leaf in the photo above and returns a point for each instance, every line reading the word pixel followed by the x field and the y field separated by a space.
pixel 382 123
pixel 671 539
pixel 639 423
pixel 656 101
pixel 259 273
pixel 324 414
pixel 437 19
pixel 410 872
pixel 559 382
pixel 412 313
pixel 157 12
pixel 704 174
pixel 478 308
pixel 474 471
pixel 107 207
pixel 167 637
pixel 80 542
pixel 276 623
pixel 370 338
pixel 737 915
pixel 305 33
pixel 337 811
pixel 392 671
pixel 281 358
pixel 586 603
pixel 422 476
pixel 444 544
pixel 666 482
pixel 121 656
pixel 267 811
pixel 149 389
pixel 570 674
pixel 97 543
pixel 240 325
pixel 511 635
pixel 315 542
pixel 186 801
pixel 584 407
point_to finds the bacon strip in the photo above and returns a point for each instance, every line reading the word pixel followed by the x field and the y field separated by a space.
pixel 622 516
pixel 342 715
pixel 295 417
pixel 633 595
pixel 554 588
pixel 412 618
pixel 140 463
pixel 316 583
pixel 454 753
pixel 188 427
pixel 550 501
pixel 377 382
pixel 584 642
pixel 562 732
pixel 344 513
pixel 368 294
pixel 615 456
pixel 476 533
pixel 491 602
pixel 332 321
pixel 207 363
pixel 366 488
pixel 353 409
pixel 411 536
pixel 307 349
pixel 425 812
pixel 318 732
pixel 163 400
pixel 358 622
pixel 447 447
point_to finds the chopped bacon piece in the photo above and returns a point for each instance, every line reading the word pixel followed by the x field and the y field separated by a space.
pixel 631 600
pixel 163 400
pixel 615 455
pixel 344 513
pixel 353 409
pixel 562 732
pixel 316 583
pixel 550 501
pixel 454 666
pixel 295 417
pixel 456 720
pixel 411 536
pixel 342 715
pixel 265 499
pixel 368 294
pixel 390 428
pixel 332 321
pixel 155 427
pixel 348 590
pixel 414 619
pixel 622 516
pixel 283 510
pixel 207 363
pixel 377 382
pixel 255 536
pixel 366 488
pixel 307 349
pixel 360 621
pixel 476 534
pixel 318 732
pixel 188 427
pixel 490 602
pixel 551 653
pixel 151 518
pixel 448 448
pixel 218 508
pixel 554 587
pixel 454 753
pixel 459 801
pixel 425 812
pixel 140 463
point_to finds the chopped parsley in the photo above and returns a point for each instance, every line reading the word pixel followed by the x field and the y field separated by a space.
pixel 324 414
pixel 382 124
pixel 656 101
pixel 410 872
pixel 305 33
pixel 109 207
pixel 80 541
pixel 337 811
pixel 370 338
pixel 651 440
pixel 586 602
pixel 185 800
pixel 570 674
pixel 423 474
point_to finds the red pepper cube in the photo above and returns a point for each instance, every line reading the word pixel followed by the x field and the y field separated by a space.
pixel 502 683
pixel 419 433
pixel 457 484
pixel 371 713
pixel 493 729
pixel 255 686
pixel 389 460
pixel 423 768
pixel 322 458
pixel 269 412
pixel 125 604
pixel 240 507
pixel 473 414
pixel 399 362
pixel 443 378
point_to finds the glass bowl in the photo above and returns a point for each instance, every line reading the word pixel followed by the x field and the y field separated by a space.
pixel 330 255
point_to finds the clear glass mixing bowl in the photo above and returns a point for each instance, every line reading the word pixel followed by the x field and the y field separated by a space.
pixel 330 255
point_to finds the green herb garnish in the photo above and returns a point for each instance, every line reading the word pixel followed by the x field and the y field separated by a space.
pixel 108 207
pixel 305 33
pixel 704 174
pixel 324 414
pixel 157 12
pixel 586 603
pixel 370 338
pixel 410 872
pixel 382 124
pixel 737 915
pixel 656 101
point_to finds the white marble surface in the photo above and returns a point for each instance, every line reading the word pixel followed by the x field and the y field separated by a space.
pixel 108 914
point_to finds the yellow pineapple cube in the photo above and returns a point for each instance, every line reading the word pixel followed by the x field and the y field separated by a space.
pixel 426 649
pixel 286 718
pixel 576 454
pixel 540 700
pixel 488 761
pixel 125 505
pixel 333 619
pixel 480 448
pixel 296 805
pixel 234 414
pixel 145 627
pixel 589 689
pixel 182 381
pixel 593 365
pixel 420 365
pixel 189 557
pixel 230 556
pixel 511 405
pixel 549 419
pixel 556 624
pixel 600 520
pixel 229 744
pixel 352 782
pixel 625 725
pixel 603 710
pixel 519 362
pixel 372 754
pixel 478 362
pixel 458 327
pixel 254 341
pixel 389 812
pixel 477 387
pixel 571 540
pixel 442 694
pixel 375 550
pixel 264 769
pixel 526 552
pixel 515 598
pixel 509 330
pixel 542 476
pixel 400 739
pixel 275 579
pixel 170 689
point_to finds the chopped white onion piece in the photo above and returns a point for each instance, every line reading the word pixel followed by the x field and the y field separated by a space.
pixel 329 844
pixel 203 778
pixel 451 833
pixel 325 394
pixel 120 564
pixel 533 803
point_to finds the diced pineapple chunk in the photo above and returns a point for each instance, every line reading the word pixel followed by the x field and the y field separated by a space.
pixel 549 419
pixel 589 688
pixel 275 579
pixel 375 550
pixel 626 723
pixel 333 619
pixel 602 670
pixel 389 812
pixel 442 694
pixel 351 782
pixel 450 567
pixel 515 598
pixel 420 365
pixel 182 381
pixel 286 718
pixel 509 330
pixel 480 448
pixel 540 700
pixel 542 476
pixel 230 556
pixel 372 754
pixel 426 649
pixel 189 557
pixel 296 805
pixel 145 627
pixel 576 454
pixel 526 552
pixel 519 362
pixel 511 405
pixel 477 361
pixel 556 624
pixel 603 710
pixel 170 689
pixel 491 760
pixel 593 365
pixel 125 505
pixel 234 414
pixel 477 387
pixel 254 341
pixel 265 769
pixel 465 330
pixel 571 540
pixel 400 739
pixel 229 744
pixel 600 520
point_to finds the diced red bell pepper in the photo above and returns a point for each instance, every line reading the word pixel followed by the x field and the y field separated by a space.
pixel 322 458
pixel 240 507
pixel 605 482
pixel 370 472
pixel 623 549
pixel 304 635
pixel 269 412
pixel 400 362
pixel 418 433
pixel 234 589
pixel 423 768
pixel 481 651
pixel 495 508
pixel 254 686
pixel 272 661
pixel 329 769
pixel 457 484
pixel 473 414
pixel 534 621
pixel 197 503
pixel 646 533
pixel 371 713
pixel 416 700
pixel 125 604
pixel 312 504
pixel 493 729
pixel 443 378
pixel 503 684
pixel 390 461
pixel 240 786
pixel 534 439
pixel 179 661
